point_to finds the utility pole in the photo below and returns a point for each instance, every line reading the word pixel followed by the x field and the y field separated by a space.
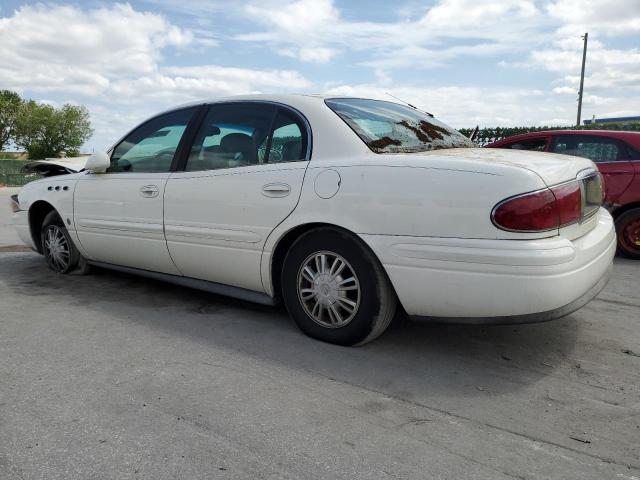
pixel 584 59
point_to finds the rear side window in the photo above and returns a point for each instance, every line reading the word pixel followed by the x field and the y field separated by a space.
pixel 633 153
pixel 535 144
pixel 232 135
pixel 387 127
pixel 288 142
pixel 247 133
pixel 597 149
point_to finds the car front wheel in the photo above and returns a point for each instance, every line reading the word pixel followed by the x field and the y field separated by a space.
pixel 59 251
pixel 335 289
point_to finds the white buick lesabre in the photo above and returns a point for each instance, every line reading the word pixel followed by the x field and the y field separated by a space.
pixel 339 207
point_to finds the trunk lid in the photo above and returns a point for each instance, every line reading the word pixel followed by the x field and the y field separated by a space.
pixel 550 167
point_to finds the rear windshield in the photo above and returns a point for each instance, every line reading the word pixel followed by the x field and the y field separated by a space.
pixel 388 127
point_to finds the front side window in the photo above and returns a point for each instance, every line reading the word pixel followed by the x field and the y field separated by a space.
pixel 387 127
pixel 535 144
pixel 597 149
pixel 241 134
pixel 150 148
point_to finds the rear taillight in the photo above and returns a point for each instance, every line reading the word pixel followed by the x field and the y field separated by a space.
pixel 543 210
pixel 568 202
pixel 532 212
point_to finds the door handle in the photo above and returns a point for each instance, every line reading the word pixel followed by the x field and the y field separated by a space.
pixel 149 191
pixel 276 190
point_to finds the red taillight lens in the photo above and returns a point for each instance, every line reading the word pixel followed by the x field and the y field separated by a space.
pixel 539 211
pixel 568 202
pixel 533 212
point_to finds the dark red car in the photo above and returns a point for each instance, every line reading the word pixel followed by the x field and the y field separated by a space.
pixel 617 155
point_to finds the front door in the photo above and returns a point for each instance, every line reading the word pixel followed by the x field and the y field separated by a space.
pixel 242 178
pixel 119 214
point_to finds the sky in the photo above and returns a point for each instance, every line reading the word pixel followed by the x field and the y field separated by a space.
pixel 470 62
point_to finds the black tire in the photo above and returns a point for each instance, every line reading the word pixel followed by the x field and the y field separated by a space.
pixel 59 251
pixel 628 231
pixel 376 300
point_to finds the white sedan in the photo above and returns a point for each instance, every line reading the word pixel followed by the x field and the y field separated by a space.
pixel 341 208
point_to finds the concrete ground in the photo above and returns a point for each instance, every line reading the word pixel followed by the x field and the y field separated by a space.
pixel 111 376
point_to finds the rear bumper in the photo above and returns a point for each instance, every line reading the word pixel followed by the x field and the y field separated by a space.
pixel 559 312
pixel 497 281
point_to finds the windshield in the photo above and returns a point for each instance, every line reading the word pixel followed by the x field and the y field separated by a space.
pixel 388 127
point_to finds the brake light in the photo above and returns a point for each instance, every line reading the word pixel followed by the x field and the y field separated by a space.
pixel 539 211
pixel 531 212
pixel 568 202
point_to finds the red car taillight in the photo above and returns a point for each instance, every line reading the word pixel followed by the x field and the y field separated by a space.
pixel 546 209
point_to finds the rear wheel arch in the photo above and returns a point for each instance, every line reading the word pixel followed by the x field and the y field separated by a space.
pixel 37 213
pixel 288 239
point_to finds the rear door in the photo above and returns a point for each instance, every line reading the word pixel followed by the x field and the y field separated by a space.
pixel 608 153
pixel 119 214
pixel 242 178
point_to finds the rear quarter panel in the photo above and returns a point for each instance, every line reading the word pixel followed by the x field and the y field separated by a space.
pixel 406 199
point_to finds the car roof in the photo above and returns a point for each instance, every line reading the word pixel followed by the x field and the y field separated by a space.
pixel 631 137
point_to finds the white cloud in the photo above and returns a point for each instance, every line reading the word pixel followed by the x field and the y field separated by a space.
pixel 182 84
pixel 115 53
pixel 565 91
pixel 487 27
pixel 81 51
pixel 607 17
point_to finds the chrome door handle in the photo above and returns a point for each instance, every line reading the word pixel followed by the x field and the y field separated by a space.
pixel 276 190
pixel 149 191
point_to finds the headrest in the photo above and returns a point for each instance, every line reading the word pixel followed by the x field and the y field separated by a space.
pixel 237 142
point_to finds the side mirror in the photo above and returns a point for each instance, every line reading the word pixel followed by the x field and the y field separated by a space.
pixel 98 163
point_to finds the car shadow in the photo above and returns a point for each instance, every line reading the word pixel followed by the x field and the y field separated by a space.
pixel 411 360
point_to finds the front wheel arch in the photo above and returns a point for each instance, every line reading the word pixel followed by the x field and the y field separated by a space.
pixel 37 213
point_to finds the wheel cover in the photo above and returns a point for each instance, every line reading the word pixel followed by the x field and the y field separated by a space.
pixel 56 249
pixel 328 289
pixel 631 235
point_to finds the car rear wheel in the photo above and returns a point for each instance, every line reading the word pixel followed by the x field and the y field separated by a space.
pixel 628 230
pixel 335 289
pixel 59 251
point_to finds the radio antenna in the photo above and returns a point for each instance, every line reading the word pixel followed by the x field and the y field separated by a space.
pixel 407 103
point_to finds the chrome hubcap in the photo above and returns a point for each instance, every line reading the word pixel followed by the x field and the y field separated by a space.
pixel 328 289
pixel 56 249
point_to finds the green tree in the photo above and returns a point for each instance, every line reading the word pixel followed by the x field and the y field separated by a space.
pixel 45 131
pixel 9 106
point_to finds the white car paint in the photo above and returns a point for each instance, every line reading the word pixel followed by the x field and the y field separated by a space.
pixel 426 216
